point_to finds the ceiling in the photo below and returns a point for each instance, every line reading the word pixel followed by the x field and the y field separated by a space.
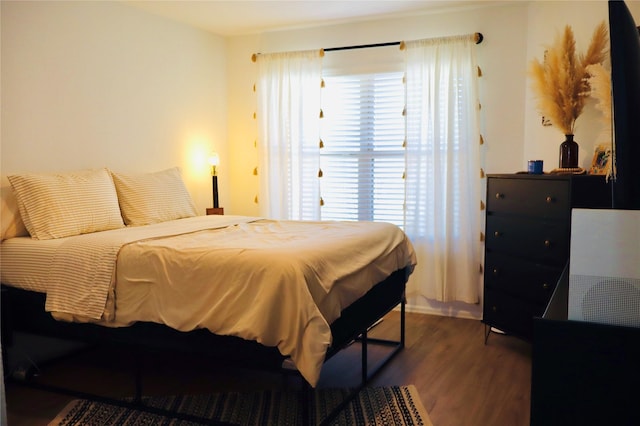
pixel 241 17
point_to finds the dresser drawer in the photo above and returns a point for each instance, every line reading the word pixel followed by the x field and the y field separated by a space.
pixel 539 198
pixel 510 313
pixel 520 278
pixel 538 240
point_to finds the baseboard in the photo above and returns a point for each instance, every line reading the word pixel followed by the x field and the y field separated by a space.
pixel 453 309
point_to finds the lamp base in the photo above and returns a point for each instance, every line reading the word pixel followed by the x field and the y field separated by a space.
pixel 215 210
pixel 214 188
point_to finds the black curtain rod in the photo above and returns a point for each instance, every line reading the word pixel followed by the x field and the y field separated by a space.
pixel 479 37
pixel 362 46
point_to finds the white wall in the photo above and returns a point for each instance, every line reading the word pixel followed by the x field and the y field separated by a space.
pixel 95 84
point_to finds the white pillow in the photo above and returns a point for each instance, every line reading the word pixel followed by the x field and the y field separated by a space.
pixel 64 204
pixel 153 197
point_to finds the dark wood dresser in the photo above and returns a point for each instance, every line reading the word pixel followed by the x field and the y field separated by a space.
pixel 527 237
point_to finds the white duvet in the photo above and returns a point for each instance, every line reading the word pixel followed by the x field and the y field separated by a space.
pixel 280 283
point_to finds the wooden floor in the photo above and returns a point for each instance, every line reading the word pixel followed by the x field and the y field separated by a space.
pixel 461 380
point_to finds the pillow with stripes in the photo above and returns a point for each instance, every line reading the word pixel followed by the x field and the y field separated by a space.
pixel 153 197
pixel 11 224
pixel 60 205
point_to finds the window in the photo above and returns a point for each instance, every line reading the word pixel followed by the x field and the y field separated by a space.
pixel 363 158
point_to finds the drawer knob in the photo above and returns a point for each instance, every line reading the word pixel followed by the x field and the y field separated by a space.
pixel 494 309
pixel 549 199
pixel 545 286
pixel 547 243
pixel 495 271
pixel 499 195
pixel 497 233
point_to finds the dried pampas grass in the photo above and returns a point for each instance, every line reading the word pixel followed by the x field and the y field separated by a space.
pixel 560 82
pixel 600 82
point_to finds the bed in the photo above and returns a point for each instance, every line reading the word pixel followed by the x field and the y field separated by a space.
pixel 106 256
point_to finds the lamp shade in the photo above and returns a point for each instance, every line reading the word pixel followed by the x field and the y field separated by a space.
pixel 214 160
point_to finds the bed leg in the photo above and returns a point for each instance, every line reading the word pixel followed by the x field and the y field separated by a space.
pixel 306 398
pixel 364 363
pixel 137 399
pixel 487 332
pixel 402 321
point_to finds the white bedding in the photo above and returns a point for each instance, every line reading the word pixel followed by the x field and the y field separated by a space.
pixel 279 283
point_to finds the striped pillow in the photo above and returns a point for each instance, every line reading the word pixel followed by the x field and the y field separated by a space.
pixel 65 204
pixel 11 224
pixel 153 197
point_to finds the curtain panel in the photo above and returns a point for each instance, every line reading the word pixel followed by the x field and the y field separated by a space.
pixel 288 108
pixel 443 187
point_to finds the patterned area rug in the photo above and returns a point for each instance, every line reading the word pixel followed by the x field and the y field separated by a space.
pixel 394 405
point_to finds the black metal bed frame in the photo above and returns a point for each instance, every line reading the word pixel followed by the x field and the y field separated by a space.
pixel 24 311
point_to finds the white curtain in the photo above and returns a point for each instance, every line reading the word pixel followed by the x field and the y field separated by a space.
pixel 443 191
pixel 288 96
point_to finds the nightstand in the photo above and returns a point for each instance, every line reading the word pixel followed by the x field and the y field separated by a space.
pixel 215 210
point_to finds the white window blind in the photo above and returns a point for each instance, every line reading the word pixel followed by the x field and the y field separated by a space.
pixel 363 158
